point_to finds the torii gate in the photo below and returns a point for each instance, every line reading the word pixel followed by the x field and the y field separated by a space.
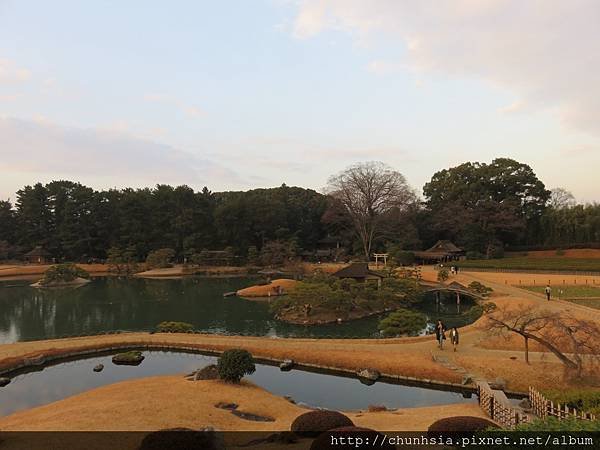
pixel 380 255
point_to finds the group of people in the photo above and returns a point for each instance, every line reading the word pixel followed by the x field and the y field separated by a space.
pixel 440 335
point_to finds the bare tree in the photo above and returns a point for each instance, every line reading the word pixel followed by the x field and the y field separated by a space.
pixel 561 198
pixel 567 337
pixel 370 192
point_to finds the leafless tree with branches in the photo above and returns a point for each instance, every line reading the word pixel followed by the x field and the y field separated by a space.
pixel 569 338
pixel 370 192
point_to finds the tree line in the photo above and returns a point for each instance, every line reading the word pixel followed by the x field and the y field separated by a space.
pixel 483 207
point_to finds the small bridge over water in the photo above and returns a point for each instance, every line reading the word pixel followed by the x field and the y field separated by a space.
pixel 431 286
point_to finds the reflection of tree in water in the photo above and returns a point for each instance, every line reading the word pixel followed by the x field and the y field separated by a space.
pixel 109 304
pixel 443 305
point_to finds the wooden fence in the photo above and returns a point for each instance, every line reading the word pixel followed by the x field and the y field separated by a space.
pixel 542 407
pixel 496 405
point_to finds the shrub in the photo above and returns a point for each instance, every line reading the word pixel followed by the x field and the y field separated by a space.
pixel 63 273
pixel 181 438
pixel 122 261
pixel 313 423
pixel 210 372
pixel 474 255
pixel 174 327
pixel 377 408
pixel 328 441
pixel 404 258
pixel 461 424
pixel 553 424
pixel 402 322
pixel 481 289
pixel 159 259
pixel 586 400
pixel 443 275
pixel 234 364
pixel 496 252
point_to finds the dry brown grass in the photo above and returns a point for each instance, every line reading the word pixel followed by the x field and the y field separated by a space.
pixel 28 270
pixel 165 402
pixel 265 289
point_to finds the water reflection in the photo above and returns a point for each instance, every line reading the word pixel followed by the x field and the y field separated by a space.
pixel 314 389
pixel 109 304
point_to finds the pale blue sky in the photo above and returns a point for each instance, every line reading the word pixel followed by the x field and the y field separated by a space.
pixel 241 94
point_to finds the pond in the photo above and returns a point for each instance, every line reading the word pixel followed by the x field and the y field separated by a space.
pixel 65 379
pixel 111 304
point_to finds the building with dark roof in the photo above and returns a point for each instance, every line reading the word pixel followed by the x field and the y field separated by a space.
pixel 358 271
pixel 442 251
pixel 37 256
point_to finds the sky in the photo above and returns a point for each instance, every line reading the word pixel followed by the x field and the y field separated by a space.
pixel 238 94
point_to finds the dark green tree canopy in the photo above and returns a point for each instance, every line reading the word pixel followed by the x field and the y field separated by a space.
pixel 485 205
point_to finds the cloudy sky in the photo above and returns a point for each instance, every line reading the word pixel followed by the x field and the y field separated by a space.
pixel 240 94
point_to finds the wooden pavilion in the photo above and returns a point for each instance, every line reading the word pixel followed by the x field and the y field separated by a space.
pixel 360 272
pixel 442 251
pixel 37 256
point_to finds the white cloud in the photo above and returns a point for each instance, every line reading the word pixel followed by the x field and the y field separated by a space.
pixel 40 147
pixel 189 110
pixel 382 67
pixel 514 107
pixel 10 72
pixel 547 52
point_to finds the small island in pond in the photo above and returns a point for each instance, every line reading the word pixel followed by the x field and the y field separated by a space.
pixel 329 298
pixel 63 275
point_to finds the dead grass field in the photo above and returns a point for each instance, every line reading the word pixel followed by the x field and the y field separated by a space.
pixel 165 402
pixel 267 289
pixel 13 271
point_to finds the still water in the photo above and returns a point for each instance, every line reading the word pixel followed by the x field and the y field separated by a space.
pixel 111 304
pixel 314 389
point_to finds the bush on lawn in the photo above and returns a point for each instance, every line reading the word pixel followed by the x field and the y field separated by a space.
pixel 181 438
pixel 234 364
pixel 160 259
pixel 313 423
pixel 565 425
pixel 461 424
pixel 442 275
pixel 403 322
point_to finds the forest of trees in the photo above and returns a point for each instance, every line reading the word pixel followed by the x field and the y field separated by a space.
pixel 484 207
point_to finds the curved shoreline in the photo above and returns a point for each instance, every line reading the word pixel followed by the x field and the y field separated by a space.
pixel 41 361
pixel 394 358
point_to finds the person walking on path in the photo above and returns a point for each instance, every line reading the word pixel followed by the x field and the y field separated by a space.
pixel 454 337
pixel 440 333
pixel 548 291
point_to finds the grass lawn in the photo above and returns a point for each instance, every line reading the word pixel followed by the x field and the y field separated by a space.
pixel 589 302
pixel 569 292
pixel 524 263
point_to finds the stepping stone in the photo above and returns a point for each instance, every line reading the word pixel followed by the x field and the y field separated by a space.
pixel 251 417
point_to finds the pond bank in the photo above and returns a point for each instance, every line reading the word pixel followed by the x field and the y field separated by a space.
pixel 133 405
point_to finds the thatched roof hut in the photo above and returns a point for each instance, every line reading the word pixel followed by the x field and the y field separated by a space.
pixel 358 271
pixel 442 250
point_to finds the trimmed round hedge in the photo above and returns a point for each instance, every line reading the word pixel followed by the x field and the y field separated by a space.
pixel 181 439
pixel 313 423
pixel 327 440
pixel 461 424
pixel 234 364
